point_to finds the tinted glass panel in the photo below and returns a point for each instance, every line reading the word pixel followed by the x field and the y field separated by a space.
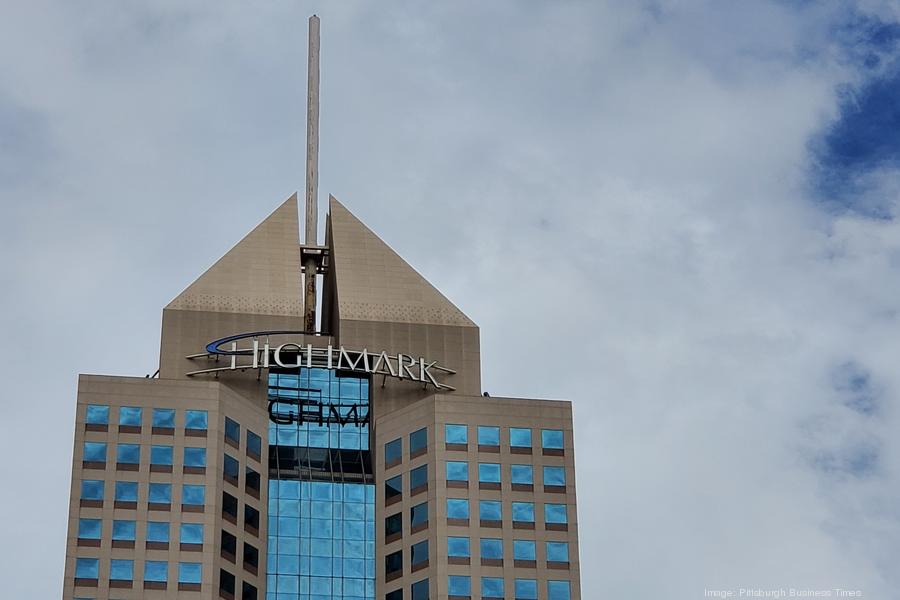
pixel 558 551
pixel 524 550
pixel 558 590
pixel 231 467
pixel 189 572
pixel 552 439
pixel 191 533
pixel 161 455
pixel 126 491
pixel 457 508
pixel 393 562
pixel 393 451
pixel 90 529
pixel 254 443
pixel 251 479
pixel 457 471
pixel 555 513
pixel 456 434
pixel 195 457
pixel 519 438
pixel 526 589
pixel 554 476
pixel 124 530
pixel 97 414
pixel 393 524
pixel 128 454
pixel 491 548
pixel 94 451
pixel 393 487
pixel 156 570
pixel 492 587
pixel 130 415
pixel 160 493
pixel 419 553
pixel 232 431
pixel 459 585
pixel 87 568
pixel 164 417
pixel 193 494
pixel 196 419
pixel 489 472
pixel 157 531
pixel 418 514
pixel 488 436
pixel 523 474
pixel 458 547
pixel 490 510
pixel 419 590
pixel 418 477
pixel 418 439
pixel 121 570
pixel 229 505
pixel 91 489
pixel 523 511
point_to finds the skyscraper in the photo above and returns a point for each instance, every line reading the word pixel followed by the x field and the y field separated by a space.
pixel 270 458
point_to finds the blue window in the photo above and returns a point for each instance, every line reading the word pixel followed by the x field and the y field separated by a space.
pixel 193 494
pixel 420 590
pixel 164 417
pixel 418 553
pixel 524 550
pixel 161 455
pixel 156 571
pixel 457 508
pixel 490 510
pixel 254 444
pixel 130 415
pixel 196 419
pixel 555 513
pixel 126 491
pixel 458 547
pixel 95 451
pixel 123 530
pixel 456 434
pixel 160 493
pixel 97 414
pixel 128 454
pixel 492 548
pixel 523 512
pixel 552 439
pixel 555 476
pixel 393 487
pixel 90 529
pixel 418 477
pixel 393 451
pixel 189 572
pixel 195 457
pixel 526 589
pixel 457 470
pixel 418 514
pixel 232 431
pixel 157 531
pixel 87 568
pixel 191 533
pixel 488 472
pixel 488 436
pixel 492 587
pixel 418 440
pixel 91 489
pixel 558 590
pixel 522 474
pixel 121 570
pixel 519 437
pixel 231 468
pixel 558 551
pixel 459 585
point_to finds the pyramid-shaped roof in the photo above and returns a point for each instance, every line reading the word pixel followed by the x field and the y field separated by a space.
pixel 372 282
pixel 260 275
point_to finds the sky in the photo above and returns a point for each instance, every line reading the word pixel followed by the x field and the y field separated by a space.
pixel 680 215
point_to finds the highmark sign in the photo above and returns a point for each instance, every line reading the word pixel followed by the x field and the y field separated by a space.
pixel 261 354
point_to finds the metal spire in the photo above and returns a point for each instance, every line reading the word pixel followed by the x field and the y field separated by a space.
pixel 310 264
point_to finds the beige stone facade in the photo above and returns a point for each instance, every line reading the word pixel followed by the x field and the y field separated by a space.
pixel 149 444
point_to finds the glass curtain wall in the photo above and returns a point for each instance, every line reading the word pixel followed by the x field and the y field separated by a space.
pixel 321 496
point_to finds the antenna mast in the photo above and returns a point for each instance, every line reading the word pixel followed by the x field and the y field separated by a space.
pixel 310 264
